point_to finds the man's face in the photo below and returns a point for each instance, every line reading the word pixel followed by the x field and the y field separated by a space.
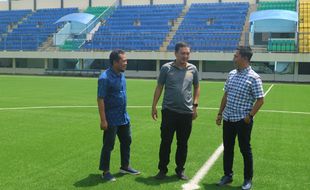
pixel 182 55
pixel 237 59
pixel 121 64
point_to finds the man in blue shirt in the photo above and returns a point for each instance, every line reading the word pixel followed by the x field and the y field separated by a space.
pixel 114 119
pixel 242 99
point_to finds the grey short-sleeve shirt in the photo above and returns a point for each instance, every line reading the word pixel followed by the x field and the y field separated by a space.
pixel 178 83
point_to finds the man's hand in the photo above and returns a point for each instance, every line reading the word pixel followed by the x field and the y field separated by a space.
pixel 154 113
pixel 247 119
pixel 195 114
pixel 104 125
pixel 218 120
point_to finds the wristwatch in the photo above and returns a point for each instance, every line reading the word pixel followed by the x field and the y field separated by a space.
pixel 195 105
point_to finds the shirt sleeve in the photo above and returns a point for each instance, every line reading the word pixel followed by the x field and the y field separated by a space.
pixel 102 87
pixel 257 88
pixel 162 75
pixel 196 77
pixel 226 84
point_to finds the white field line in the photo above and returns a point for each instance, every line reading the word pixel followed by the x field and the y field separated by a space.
pixel 268 90
pixel 136 107
pixel 193 183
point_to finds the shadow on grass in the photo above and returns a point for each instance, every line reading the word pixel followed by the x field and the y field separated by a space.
pixel 154 182
pixel 93 180
pixel 215 187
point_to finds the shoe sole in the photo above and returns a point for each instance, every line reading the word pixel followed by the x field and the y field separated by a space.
pixel 113 179
pixel 246 188
pixel 126 172
pixel 220 185
pixel 183 178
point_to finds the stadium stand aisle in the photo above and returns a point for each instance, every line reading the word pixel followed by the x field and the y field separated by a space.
pixel 141 27
pixel 31 33
pixel 212 26
pixel 304 26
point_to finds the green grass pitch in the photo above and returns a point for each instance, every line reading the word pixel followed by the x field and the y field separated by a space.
pixel 59 148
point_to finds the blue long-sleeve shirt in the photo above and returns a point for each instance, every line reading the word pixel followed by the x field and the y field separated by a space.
pixel 112 88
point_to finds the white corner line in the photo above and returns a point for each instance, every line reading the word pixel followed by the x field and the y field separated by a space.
pixel 193 183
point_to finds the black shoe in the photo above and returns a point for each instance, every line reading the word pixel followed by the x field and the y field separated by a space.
pixel 129 170
pixel 182 176
pixel 225 180
pixel 108 176
pixel 160 175
pixel 247 184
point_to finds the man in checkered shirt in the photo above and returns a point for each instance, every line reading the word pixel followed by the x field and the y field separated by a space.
pixel 243 97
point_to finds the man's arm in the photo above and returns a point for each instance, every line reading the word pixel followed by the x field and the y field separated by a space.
pixel 103 120
pixel 157 94
pixel 258 104
pixel 222 107
pixel 195 100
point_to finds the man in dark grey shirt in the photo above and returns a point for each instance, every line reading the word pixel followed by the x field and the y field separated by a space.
pixel 178 110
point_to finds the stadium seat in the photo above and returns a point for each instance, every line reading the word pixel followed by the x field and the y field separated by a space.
pixel 213 25
pixel 142 27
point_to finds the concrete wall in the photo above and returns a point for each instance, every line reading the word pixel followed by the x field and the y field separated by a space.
pixel 270 0
pixel 36 60
pixel 43 4
pixel 27 71
pixel 205 56
pixel 159 2
pixel 4 5
pixel 153 74
pixel 244 1
pixel 200 1
pixel 81 4
pixel 23 4
pixel 140 2
pixel 97 3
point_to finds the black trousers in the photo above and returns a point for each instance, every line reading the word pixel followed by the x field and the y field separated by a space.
pixel 124 135
pixel 243 131
pixel 181 124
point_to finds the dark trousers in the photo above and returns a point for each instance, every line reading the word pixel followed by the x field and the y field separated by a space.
pixel 181 124
pixel 243 131
pixel 124 135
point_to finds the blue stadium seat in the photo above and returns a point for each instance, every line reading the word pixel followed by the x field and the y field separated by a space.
pixel 32 32
pixel 120 30
pixel 212 26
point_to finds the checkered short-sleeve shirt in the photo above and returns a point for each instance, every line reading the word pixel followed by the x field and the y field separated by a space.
pixel 242 88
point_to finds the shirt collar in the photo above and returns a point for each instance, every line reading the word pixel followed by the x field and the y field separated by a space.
pixel 174 65
pixel 114 74
pixel 245 70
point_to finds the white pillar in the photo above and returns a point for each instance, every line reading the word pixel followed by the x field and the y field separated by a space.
pixel 14 65
pixel 296 64
pixel 45 63
pixel 200 69
pixel 157 68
